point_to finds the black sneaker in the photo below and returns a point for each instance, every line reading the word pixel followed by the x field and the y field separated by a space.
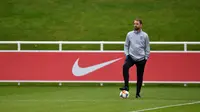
pixel 137 96
pixel 124 88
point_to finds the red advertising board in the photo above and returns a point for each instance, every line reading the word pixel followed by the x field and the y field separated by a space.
pixel 95 66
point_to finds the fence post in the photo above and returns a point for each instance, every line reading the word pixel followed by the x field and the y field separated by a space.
pixel 60 46
pixel 185 46
pixel 18 46
pixel 18 84
pixel 60 84
pixel 101 46
pixel 101 84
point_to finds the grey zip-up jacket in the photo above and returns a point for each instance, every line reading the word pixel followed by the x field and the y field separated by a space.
pixel 137 45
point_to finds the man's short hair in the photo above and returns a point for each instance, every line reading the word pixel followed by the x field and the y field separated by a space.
pixel 140 21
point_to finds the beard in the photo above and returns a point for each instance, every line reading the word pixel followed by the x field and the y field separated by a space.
pixel 136 28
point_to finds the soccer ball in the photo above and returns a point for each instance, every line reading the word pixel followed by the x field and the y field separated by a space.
pixel 124 94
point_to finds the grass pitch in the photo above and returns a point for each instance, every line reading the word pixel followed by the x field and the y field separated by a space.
pixel 96 98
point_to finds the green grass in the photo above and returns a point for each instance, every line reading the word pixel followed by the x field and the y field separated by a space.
pixel 98 20
pixel 95 98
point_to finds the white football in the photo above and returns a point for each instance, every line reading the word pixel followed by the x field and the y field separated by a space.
pixel 124 94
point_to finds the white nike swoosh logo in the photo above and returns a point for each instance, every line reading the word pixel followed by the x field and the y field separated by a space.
pixel 79 71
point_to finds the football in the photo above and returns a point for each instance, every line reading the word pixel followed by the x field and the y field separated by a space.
pixel 124 94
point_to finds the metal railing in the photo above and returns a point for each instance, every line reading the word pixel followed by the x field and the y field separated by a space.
pixel 101 43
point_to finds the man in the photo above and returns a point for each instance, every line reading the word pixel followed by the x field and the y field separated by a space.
pixel 137 50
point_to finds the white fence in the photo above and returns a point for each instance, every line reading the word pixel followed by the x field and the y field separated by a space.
pixel 101 49
pixel 101 43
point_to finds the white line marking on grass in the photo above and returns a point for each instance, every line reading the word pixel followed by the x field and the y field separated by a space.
pixel 167 106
